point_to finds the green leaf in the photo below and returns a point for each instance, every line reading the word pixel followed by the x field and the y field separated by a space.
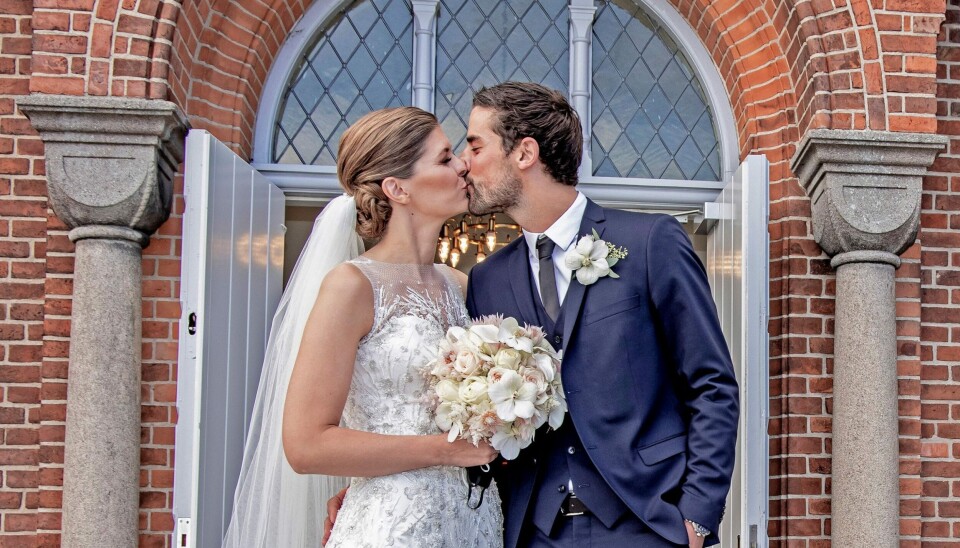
pixel 595 235
pixel 613 274
pixel 612 261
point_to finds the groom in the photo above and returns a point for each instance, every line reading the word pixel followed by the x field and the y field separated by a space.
pixel 645 456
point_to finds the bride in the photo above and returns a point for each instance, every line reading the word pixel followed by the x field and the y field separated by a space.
pixel 351 338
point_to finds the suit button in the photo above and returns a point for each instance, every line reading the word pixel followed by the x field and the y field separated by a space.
pixel 561 488
pixel 557 339
pixel 571 450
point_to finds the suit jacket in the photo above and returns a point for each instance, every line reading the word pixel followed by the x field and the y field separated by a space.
pixel 646 371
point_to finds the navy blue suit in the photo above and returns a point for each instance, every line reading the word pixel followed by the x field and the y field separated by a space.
pixel 649 382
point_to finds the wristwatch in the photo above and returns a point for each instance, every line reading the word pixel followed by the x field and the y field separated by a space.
pixel 698 529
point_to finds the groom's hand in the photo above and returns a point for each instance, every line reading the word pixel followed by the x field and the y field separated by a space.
pixel 694 540
pixel 333 506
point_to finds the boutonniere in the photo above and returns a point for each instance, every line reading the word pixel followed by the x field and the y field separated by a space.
pixel 593 258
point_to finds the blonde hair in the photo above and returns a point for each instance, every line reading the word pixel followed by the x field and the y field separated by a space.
pixel 384 143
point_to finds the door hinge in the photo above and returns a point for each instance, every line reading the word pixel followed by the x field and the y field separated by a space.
pixel 183 533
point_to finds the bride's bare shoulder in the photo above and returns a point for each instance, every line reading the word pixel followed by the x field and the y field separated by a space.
pixel 346 282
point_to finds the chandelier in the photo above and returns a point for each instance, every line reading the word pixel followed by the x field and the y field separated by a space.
pixel 482 234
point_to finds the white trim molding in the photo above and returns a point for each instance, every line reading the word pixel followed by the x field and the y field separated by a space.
pixel 425 53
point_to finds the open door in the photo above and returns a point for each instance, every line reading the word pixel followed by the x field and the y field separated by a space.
pixel 231 280
pixel 738 267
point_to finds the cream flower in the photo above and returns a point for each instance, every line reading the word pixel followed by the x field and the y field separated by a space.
pixel 514 336
pixel 466 363
pixel 447 390
pixel 507 441
pixel 512 396
pixel 588 259
pixel 507 358
pixel 450 417
pixel 473 390
pixel 545 363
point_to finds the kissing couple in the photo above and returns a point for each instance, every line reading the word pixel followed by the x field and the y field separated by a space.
pixel 644 456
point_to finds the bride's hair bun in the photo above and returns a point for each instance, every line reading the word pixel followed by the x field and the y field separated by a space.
pixel 384 143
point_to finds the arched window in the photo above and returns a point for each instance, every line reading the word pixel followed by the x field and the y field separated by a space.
pixel 657 124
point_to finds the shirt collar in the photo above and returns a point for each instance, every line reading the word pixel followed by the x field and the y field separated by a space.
pixel 564 230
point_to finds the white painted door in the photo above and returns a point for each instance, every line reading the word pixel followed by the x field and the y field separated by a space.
pixel 231 278
pixel 737 264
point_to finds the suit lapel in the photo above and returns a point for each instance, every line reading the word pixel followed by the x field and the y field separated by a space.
pixel 593 219
pixel 520 282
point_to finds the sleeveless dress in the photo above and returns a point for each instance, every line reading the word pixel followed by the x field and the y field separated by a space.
pixel 413 307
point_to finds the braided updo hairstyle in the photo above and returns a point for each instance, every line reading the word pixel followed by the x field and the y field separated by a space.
pixel 384 143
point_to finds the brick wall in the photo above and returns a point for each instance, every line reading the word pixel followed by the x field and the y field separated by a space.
pixel 940 308
pixel 23 218
pixel 161 312
pixel 83 47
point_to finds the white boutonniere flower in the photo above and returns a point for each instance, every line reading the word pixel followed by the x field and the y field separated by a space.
pixel 593 258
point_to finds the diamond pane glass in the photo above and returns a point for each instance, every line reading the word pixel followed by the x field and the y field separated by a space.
pixel 484 42
pixel 650 115
pixel 362 61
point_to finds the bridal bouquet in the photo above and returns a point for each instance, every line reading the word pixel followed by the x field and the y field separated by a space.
pixel 497 381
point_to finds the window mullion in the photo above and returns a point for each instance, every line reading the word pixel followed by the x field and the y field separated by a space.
pixel 424 53
pixel 581 72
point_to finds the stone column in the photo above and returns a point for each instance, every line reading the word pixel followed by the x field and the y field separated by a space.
pixel 865 188
pixel 110 163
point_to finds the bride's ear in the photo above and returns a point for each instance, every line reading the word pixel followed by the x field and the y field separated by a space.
pixel 395 191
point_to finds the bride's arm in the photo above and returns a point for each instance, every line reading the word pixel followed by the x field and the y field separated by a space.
pixel 313 441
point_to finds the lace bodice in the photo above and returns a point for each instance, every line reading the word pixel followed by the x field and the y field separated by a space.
pixel 413 307
pixel 424 508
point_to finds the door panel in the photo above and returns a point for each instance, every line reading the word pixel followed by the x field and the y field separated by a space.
pixel 737 265
pixel 231 282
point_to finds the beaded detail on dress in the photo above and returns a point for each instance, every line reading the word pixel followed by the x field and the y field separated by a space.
pixel 413 307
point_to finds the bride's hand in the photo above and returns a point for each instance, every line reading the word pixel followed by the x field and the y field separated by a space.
pixel 463 453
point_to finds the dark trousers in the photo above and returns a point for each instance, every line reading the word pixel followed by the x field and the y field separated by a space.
pixel 586 531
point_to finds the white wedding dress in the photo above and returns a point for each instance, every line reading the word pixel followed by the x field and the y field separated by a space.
pixel 413 307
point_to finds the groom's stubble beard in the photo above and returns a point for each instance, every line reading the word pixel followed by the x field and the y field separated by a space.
pixel 494 198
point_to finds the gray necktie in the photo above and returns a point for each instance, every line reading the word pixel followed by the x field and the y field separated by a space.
pixel 548 279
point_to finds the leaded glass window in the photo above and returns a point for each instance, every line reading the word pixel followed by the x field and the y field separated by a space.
pixel 651 117
pixel 482 43
pixel 362 61
pixel 649 114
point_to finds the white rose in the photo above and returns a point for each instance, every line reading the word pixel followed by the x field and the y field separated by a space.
pixel 473 390
pixel 466 363
pixel 447 390
pixel 537 378
pixel 507 358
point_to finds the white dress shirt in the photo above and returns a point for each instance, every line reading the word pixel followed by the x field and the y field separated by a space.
pixel 563 232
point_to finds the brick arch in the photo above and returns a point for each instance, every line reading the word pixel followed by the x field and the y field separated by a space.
pixel 856 70
pixel 741 37
pixel 221 54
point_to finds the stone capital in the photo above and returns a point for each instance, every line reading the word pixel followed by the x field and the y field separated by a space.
pixel 110 160
pixel 865 186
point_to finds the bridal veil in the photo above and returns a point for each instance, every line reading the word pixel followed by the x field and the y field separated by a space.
pixel 274 506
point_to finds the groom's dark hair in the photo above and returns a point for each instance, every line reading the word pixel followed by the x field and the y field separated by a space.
pixel 525 109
